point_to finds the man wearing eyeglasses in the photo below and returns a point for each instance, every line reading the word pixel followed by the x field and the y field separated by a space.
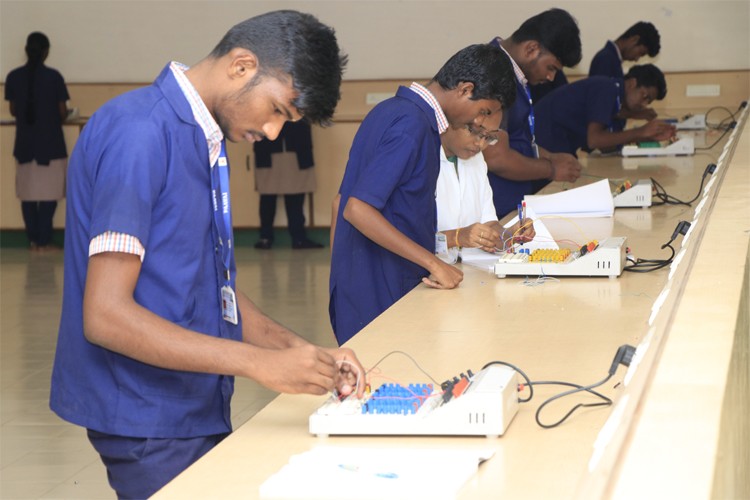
pixel 466 215
pixel 538 49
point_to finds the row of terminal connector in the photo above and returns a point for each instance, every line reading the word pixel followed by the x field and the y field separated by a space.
pixel 456 386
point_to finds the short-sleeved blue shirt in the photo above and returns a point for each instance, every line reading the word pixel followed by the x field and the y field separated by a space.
pixel 43 139
pixel 140 167
pixel 564 115
pixel 607 62
pixel 393 165
pixel 540 90
pixel 506 193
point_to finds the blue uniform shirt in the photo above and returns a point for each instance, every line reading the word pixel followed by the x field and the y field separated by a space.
pixel 393 165
pixel 607 62
pixel 507 194
pixel 140 167
pixel 564 115
pixel 540 90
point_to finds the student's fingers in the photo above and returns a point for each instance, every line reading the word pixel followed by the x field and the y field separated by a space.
pixel 351 374
pixel 442 283
pixel 483 236
pixel 303 369
pixel 432 284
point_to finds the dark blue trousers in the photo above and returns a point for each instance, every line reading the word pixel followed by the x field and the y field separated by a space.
pixel 37 217
pixel 138 467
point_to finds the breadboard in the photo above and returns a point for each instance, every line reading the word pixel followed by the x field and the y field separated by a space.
pixel 607 259
pixel 682 146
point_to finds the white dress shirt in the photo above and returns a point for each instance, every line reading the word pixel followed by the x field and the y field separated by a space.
pixel 463 198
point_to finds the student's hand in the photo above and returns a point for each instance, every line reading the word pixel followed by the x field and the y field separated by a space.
pixel 479 235
pixel 566 166
pixel 523 234
pixel 351 375
pixel 305 369
pixel 657 130
pixel 443 276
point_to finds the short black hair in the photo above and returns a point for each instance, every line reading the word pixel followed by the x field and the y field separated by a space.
pixel 557 31
pixel 648 75
pixel 484 65
pixel 648 36
pixel 287 42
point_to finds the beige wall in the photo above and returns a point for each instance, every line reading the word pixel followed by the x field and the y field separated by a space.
pixel 388 42
pixel 131 40
pixel 331 145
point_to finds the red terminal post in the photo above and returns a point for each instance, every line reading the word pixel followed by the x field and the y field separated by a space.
pixel 460 387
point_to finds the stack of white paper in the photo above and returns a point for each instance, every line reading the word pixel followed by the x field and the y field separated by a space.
pixel 330 473
pixel 592 200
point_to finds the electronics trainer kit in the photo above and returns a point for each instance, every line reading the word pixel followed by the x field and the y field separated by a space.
pixel 592 259
pixel 481 404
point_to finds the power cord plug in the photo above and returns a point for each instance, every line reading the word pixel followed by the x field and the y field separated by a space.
pixel 623 356
pixel 681 229
pixel 648 265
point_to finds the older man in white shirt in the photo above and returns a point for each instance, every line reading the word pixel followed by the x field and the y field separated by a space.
pixel 466 213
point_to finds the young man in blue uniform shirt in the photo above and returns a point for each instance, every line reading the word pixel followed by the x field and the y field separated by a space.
pixel 587 114
pixel 538 49
pixel 639 40
pixel 153 329
pixel 385 215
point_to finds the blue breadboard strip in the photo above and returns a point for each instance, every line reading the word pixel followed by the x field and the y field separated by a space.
pixel 397 399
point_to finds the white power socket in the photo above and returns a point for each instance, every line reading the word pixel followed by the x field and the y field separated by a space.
pixel 703 90
pixel 376 97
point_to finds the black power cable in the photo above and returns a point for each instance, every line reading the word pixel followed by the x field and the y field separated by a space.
pixel 648 265
pixel 667 199
pixel 623 356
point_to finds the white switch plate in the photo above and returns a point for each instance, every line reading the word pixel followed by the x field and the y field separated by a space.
pixel 376 97
pixel 703 90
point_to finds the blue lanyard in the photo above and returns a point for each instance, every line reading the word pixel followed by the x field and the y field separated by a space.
pixel 618 105
pixel 531 115
pixel 222 208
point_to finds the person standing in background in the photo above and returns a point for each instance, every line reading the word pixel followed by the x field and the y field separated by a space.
pixel 285 166
pixel 37 96
pixel 639 40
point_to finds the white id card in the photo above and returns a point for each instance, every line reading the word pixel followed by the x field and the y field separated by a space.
pixel 228 304
pixel 447 255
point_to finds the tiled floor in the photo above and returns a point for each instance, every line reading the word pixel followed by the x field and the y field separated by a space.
pixel 42 456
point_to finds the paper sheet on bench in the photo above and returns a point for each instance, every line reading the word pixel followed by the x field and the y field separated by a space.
pixel 592 200
pixel 338 472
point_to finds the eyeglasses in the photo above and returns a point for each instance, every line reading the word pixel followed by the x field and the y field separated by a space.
pixel 479 133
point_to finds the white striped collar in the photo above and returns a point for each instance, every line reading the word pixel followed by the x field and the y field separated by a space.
pixel 425 94
pixel 210 128
pixel 516 68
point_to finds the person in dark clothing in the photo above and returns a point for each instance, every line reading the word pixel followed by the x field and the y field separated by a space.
pixel 38 96
pixel 285 167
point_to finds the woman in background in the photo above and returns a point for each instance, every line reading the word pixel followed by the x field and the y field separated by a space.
pixel 37 96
